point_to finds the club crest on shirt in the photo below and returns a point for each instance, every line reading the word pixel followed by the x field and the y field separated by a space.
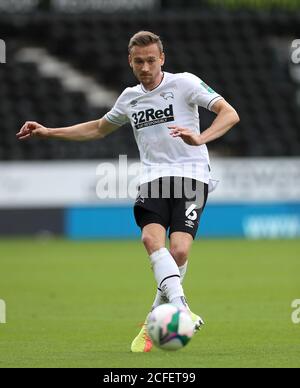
pixel 167 95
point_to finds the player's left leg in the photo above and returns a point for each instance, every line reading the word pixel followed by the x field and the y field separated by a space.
pixel 185 220
pixel 180 246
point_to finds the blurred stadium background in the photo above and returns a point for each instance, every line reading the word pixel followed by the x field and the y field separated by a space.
pixel 65 62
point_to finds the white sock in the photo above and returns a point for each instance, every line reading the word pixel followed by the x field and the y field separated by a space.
pixel 180 302
pixel 160 297
pixel 182 271
pixel 167 274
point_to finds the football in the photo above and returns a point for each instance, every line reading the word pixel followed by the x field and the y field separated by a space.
pixel 169 327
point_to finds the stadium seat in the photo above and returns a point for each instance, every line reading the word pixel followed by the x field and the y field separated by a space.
pixel 230 51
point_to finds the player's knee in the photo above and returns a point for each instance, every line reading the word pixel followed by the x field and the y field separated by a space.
pixel 151 243
pixel 180 255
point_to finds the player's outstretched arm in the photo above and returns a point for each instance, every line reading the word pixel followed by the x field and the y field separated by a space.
pixel 226 118
pixel 91 130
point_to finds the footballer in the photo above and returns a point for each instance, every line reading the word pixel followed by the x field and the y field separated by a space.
pixel 175 178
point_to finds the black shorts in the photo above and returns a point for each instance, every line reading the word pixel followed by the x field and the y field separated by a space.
pixel 175 203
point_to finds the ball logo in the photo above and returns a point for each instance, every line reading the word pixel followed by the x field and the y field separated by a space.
pixel 191 214
pixel 296 313
pixel 2 311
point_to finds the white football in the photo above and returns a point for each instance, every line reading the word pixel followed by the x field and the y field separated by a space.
pixel 169 327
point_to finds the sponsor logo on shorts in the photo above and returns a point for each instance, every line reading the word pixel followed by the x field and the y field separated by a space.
pixel 190 224
pixel 140 199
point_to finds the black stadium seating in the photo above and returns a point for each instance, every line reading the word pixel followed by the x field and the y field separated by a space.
pixel 232 52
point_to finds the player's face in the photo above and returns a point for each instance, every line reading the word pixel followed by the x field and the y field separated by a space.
pixel 146 63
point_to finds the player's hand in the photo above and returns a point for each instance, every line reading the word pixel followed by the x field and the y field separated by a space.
pixel 32 129
pixel 188 136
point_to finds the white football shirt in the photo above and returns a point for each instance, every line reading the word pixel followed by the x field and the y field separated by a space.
pixel 174 102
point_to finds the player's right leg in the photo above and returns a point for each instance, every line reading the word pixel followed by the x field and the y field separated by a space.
pixel 167 276
pixel 164 267
pixel 153 217
pixel 154 238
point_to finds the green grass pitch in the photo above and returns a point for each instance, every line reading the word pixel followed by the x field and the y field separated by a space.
pixel 78 304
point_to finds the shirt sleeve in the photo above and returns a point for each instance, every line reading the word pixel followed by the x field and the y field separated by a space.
pixel 199 93
pixel 118 114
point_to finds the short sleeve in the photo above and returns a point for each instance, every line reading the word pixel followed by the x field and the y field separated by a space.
pixel 117 115
pixel 199 93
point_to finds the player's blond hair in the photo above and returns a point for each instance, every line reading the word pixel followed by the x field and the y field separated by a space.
pixel 145 38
